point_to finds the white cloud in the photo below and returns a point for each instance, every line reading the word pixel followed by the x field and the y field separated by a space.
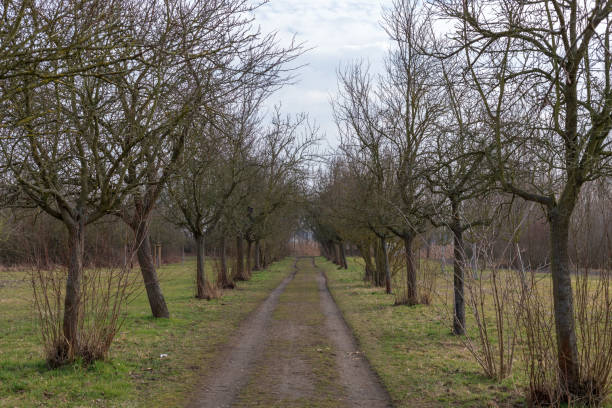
pixel 338 32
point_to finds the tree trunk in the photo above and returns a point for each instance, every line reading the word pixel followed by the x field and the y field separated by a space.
pixel 157 250
pixel 411 278
pixel 383 243
pixel 337 259
pixel 263 260
pixel 257 255
pixel 364 250
pixel 200 271
pixel 328 252
pixel 248 257
pixel 343 256
pixel 72 300
pixel 223 279
pixel 567 348
pixel 149 275
pixel 379 276
pixel 458 278
pixel 240 271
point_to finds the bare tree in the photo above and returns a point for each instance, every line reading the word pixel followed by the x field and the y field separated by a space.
pixel 360 119
pixel 457 175
pixel 36 35
pixel 283 152
pixel 542 71
pixel 412 104
pixel 59 148
pixel 205 51
pixel 213 169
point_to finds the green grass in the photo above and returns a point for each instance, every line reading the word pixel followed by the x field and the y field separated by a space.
pixel 412 349
pixel 134 374
pixel 418 359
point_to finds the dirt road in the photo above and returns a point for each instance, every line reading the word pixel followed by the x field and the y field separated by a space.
pixel 294 351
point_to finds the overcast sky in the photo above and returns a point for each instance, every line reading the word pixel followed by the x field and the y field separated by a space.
pixel 338 32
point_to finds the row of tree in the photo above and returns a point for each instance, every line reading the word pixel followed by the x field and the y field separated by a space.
pixel 480 103
pixel 119 109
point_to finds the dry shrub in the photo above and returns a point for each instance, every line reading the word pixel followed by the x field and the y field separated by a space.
pixel 539 352
pixel 397 266
pixel 104 293
pixel 427 276
pixel 400 290
pixel 493 299
pixel 48 287
pixel 593 318
pixel 592 296
pixel 426 272
pixel 592 264
pixel 594 331
pixel 211 291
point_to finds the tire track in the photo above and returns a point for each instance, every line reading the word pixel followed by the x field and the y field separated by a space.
pixel 230 374
pixel 362 385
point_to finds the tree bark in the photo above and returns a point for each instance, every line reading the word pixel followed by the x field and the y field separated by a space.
pixel 257 255
pixel 248 257
pixel 72 300
pixel 329 250
pixel 364 250
pixel 223 279
pixel 567 348
pixel 383 243
pixel 411 278
pixel 458 278
pixel 379 276
pixel 240 271
pixel 263 259
pixel 343 256
pixel 200 269
pixel 149 275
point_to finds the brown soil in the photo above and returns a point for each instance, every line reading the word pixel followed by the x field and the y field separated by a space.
pixel 295 350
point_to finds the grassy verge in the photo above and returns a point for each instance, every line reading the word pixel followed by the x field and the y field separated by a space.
pixel 412 349
pixel 134 375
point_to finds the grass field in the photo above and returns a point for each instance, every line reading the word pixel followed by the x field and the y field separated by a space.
pixel 134 374
pixel 412 349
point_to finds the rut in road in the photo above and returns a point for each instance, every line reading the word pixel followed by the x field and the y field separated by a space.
pixel 294 351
